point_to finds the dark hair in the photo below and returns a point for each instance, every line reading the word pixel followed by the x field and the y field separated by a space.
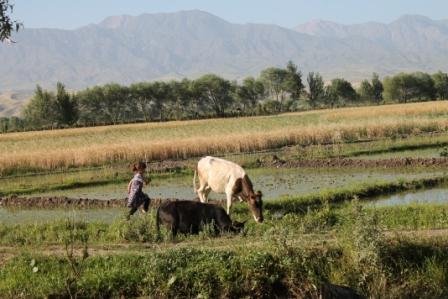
pixel 139 166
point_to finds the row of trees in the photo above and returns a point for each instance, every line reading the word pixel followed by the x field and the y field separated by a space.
pixel 275 90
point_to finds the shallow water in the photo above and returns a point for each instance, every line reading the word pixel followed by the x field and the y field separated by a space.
pixel 273 183
pixel 435 195
pixel 31 216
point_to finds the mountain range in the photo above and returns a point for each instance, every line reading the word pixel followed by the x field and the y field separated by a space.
pixel 127 49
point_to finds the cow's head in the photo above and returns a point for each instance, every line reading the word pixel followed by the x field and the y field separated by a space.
pixel 256 206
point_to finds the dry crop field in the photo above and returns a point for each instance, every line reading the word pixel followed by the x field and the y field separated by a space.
pixel 81 147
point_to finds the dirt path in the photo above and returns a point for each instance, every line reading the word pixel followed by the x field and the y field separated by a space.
pixel 51 202
pixel 223 243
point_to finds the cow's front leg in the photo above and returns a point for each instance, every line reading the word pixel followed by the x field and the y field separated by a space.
pixel 229 196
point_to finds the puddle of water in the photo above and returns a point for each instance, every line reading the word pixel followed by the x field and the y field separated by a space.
pixel 435 196
pixel 34 216
pixel 274 183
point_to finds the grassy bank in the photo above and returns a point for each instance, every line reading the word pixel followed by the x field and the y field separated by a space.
pixel 63 149
pixel 141 229
pixel 279 258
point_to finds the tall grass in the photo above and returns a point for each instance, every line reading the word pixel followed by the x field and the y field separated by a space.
pixel 62 149
pixel 273 260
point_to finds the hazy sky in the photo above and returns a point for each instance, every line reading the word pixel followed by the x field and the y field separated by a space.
pixel 289 13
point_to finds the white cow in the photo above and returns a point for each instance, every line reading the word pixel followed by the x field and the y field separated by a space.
pixel 222 176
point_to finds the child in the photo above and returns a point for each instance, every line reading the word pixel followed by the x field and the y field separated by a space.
pixel 136 197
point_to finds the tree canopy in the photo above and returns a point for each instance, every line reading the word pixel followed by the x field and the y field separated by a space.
pixel 7 25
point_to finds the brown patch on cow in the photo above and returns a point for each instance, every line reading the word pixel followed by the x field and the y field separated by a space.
pixel 248 188
pixel 238 187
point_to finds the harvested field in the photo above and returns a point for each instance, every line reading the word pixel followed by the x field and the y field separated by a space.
pixel 64 149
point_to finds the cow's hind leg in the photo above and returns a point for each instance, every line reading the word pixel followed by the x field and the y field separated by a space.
pixel 202 190
pixel 206 193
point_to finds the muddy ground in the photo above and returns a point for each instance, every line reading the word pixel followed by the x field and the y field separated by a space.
pixel 62 202
pixel 80 203
pixel 274 161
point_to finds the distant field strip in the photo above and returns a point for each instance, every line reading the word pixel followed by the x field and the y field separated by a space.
pixel 62 149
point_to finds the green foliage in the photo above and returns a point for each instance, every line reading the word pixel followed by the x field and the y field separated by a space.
pixel 444 152
pixel 11 124
pixel 7 25
pixel 361 241
pixel 316 88
pixel 215 92
pixel 366 91
pixel 406 87
pixel 377 88
pixel 276 90
pixel 249 93
pixel 293 83
pixel 47 109
pixel 340 92
pixel 441 85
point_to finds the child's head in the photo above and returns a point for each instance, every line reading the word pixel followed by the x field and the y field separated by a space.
pixel 139 167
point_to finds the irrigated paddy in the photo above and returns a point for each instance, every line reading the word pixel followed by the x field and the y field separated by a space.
pixel 274 183
pixel 435 196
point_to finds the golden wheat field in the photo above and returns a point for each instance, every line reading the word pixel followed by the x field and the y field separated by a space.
pixel 60 149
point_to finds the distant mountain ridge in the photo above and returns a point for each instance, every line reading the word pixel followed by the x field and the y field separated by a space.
pixel 127 49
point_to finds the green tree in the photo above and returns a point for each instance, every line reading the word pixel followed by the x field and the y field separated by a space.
pixel 274 81
pixel 91 102
pixel 40 110
pixel 216 92
pixel 293 81
pixel 65 106
pixel 4 124
pixel 365 91
pixel 7 25
pixel 141 94
pixel 249 93
pixel 316 89
pixel 160 99
pixel 377 88
pixel 340 92
pixel 179 98
pixel 404 87
pixel 425 86
pixel 401 87
pixel 115 106
pixel 441 85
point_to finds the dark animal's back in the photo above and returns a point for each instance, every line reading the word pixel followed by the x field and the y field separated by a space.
pixel 189 216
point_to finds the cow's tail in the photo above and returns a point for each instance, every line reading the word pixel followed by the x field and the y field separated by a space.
pixel 195 189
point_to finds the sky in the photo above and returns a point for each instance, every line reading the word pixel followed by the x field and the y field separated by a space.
pixel 70 14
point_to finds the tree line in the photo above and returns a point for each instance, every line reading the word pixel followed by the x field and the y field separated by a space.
pixel 275 90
